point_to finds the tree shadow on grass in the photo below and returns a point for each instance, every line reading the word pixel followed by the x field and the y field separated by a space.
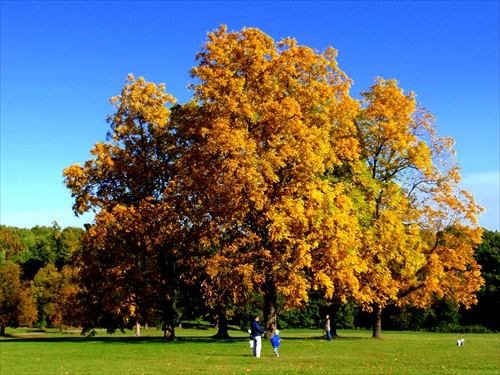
pixel 42 337
pixel 46 338
pixel 323 338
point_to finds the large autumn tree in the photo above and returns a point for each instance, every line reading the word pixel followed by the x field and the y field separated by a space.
pixel 419 228
pixel 130 247
pixel 272 119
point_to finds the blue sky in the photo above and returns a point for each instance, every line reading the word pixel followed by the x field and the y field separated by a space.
pixel 62 61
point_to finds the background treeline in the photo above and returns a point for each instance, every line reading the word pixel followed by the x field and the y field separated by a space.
pixel 38 282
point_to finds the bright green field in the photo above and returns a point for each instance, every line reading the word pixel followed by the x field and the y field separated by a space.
pixel 301 352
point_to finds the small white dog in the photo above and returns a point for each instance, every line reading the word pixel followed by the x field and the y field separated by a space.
pixel 460 342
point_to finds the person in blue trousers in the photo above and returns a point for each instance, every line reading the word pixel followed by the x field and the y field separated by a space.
pixel 275 342
pixel 327 328
pixel 256 335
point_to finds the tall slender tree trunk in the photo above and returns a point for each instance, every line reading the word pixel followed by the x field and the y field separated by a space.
pixel 222 328
pixel 168 288
pixel 377 322
pixel 270 303
pixel 2 330
pixel 137 328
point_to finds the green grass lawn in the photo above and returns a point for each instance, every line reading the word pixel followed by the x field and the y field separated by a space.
pixel 28 352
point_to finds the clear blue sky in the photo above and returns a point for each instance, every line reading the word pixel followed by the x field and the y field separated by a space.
pixel 62 61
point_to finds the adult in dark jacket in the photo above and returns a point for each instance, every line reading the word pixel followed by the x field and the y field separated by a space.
pixel 256 335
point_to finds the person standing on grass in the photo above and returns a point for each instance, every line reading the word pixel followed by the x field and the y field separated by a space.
pixel 275 342
pixel 327 328
pixel 256 334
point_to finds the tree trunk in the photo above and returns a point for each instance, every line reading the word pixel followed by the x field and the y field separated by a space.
pixel 168 289
pixel 168 331
pixel 334 311
pixel 270 303
pixel 168 320
pixel 377 322
pixel 137 329
pixel 2 330
pixel 222 328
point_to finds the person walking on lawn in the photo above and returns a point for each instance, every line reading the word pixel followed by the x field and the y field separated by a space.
pixel 327 328
pixel 256 335
pixel 275 342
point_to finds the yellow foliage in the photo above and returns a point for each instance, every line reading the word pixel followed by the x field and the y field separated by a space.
pixel 419 239
pixel 274 179
pixel 276 118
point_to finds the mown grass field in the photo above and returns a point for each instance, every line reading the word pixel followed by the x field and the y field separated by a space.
pixel 26 352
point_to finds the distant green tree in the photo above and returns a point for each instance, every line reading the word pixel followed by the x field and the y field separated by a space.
pixel 15 243
pixel 311 315
pixel 488 307
pixel 68 243
pixel 39 246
